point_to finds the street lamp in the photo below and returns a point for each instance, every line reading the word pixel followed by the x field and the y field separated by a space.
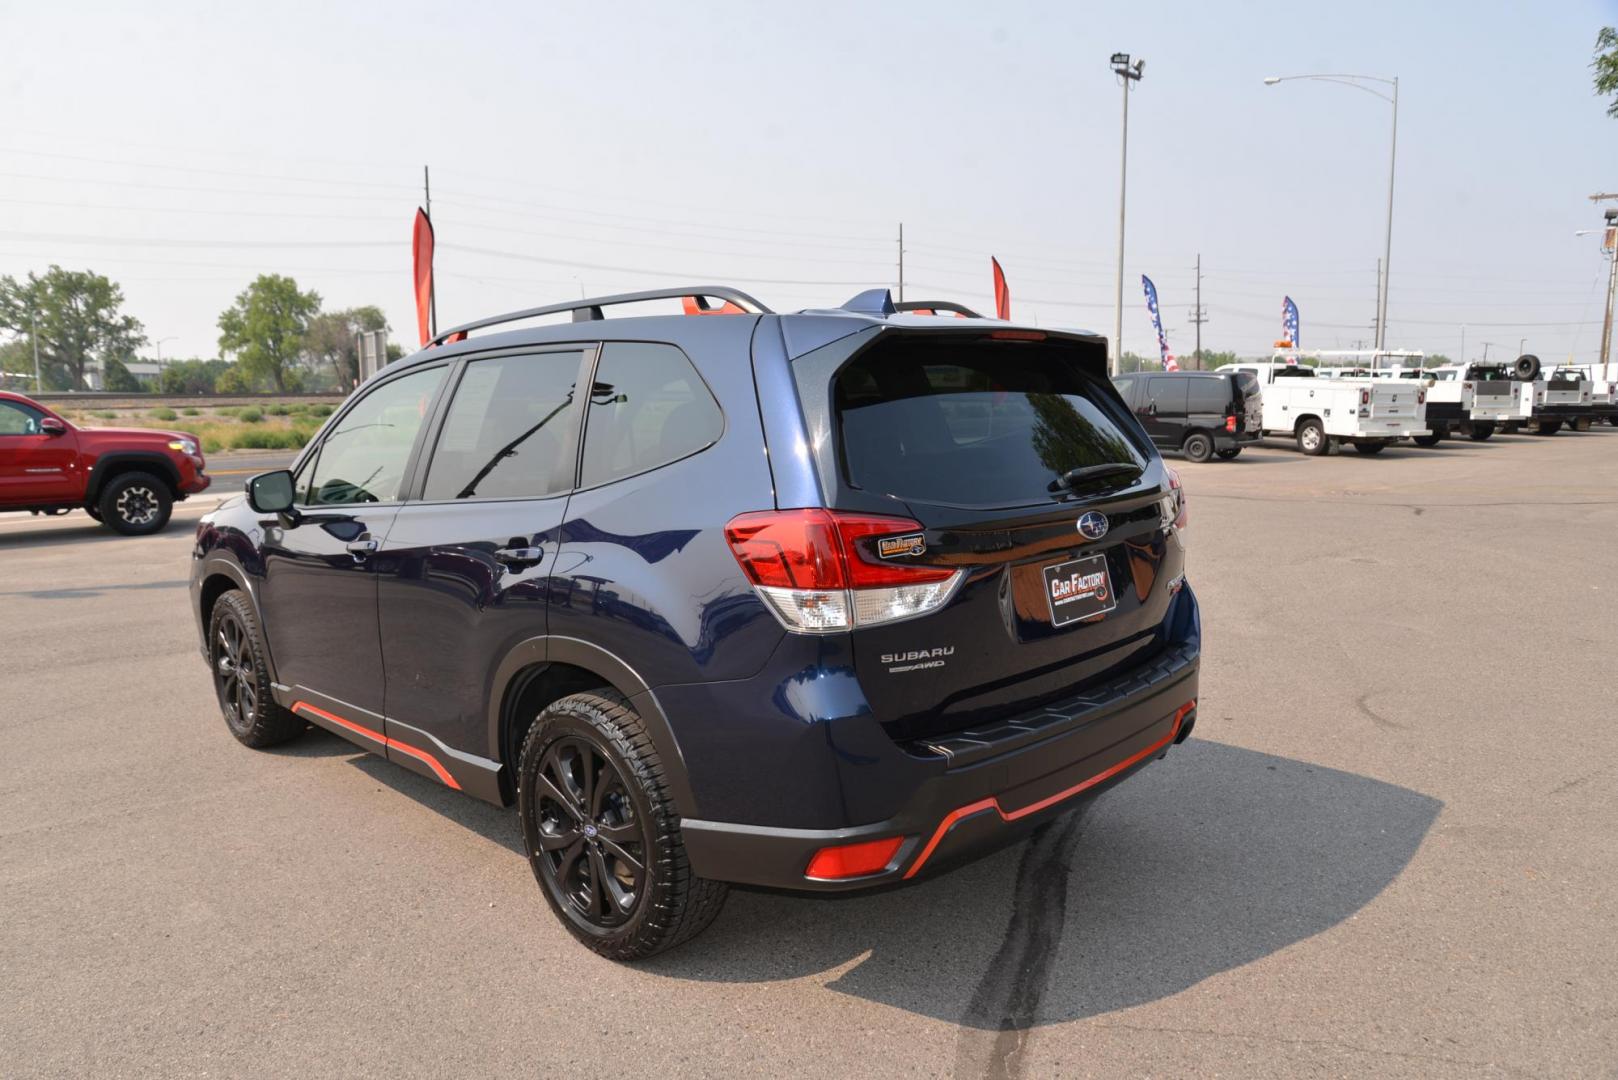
pixel 159 343
pixel 1358 82
pixel 1127 73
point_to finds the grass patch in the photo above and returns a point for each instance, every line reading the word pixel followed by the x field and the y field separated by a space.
pixel 165 413
pixel 191 412
pixel 105 414
pixel 249 415
pixel 277 410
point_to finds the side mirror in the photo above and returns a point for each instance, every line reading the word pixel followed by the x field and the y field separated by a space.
pixel 272 493
pixel 50 425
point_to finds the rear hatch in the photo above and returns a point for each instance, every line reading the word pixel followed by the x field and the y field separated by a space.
pixel 1251 406
pixel 1062 584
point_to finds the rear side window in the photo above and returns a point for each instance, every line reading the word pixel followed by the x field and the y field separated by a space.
pixel 1208 396
pixel 971 424
pixel 363 458
pixel 1247 382
pixel 1169 395
pixel 648 407
pixel 509 430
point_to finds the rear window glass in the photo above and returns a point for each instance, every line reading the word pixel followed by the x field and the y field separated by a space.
pixel 1208 396
pixel 1248 382
pixel 971 424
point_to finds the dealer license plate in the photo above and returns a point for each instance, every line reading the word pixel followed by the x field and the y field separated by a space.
pixel 1077 590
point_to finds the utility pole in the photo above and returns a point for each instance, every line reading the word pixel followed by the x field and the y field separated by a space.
pixel 901 262
pixel 1199 314
pixel 33 335
pixel 432 292
pixel 1463 345
pixel 1128 73
pixel 1486 345
pixel 1376 322
pixel 1610 246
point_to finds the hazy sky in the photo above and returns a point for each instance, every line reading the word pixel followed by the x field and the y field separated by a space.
pixel 184 148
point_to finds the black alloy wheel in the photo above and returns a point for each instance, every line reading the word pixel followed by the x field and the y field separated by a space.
pixel 235 672
pixel 593 844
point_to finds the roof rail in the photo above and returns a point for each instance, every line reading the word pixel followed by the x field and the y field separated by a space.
pixel 936 305
pixel 589 310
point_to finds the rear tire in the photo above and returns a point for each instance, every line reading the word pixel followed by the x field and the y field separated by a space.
pixel 1480 432
pixel 241 678
pixel 135 504
pixel 1581 424
pixel 1548 427
pixel 1228 455
pixel 1197 447
pixel 1312 438
pixel 1367 447
pixel 1427 440
pixel 602 834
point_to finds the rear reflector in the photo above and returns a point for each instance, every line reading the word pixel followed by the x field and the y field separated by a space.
pixel 1017 335
pixel 853 860
pixel 821 571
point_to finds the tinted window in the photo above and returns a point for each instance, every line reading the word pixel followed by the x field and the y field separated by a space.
pixel 1126 387
pixel 1168 395
pixel 509 430
pixel 1207 396
pixel 363 458
pixel 649 407
pixel 971 424
pixel 1248 381
pixel 19 419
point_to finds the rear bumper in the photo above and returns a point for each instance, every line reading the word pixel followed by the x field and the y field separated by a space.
pixel 988 787
pixel 1226 440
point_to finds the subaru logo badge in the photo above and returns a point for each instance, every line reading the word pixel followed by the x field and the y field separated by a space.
pixel 1093 525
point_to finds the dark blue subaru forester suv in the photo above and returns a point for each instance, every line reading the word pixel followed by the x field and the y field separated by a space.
pixel 817 601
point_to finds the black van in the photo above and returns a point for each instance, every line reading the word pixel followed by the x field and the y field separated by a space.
pixel 1200 413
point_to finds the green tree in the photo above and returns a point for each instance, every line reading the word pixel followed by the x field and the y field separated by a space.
pixel 116 377
pixel 17 358
pixel 191 376
pixel 331 340
pixel 75 313
pixel 233 381
pixel 1606 67
pixel 265 329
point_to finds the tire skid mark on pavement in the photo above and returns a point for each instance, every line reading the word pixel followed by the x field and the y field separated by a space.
pixel 1005 1004
pixel 1375 717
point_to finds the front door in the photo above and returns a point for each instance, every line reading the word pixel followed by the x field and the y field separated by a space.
pixel 36 467
pixel 1162 410
pixel 463 572
pixel 318 592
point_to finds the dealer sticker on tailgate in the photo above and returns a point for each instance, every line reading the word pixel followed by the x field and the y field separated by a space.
pixel 1079 590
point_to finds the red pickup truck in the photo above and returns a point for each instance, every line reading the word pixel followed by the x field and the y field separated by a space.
pixel 127 478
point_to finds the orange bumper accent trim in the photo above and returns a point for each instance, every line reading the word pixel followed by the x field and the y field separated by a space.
pixel 992 803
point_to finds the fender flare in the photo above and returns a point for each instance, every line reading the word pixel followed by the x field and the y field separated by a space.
pixel 616 673
pixel 162 466
pixel 216 564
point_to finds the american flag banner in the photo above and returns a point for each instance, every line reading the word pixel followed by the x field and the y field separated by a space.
pixel 1169 363
pixel 1289 320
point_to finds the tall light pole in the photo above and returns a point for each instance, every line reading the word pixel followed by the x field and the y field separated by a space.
pixel 1127 73
pixel 160 347
pixel 1358 82
pixel 1609 244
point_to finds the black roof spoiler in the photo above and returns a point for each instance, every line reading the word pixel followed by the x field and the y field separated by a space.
pixel 937 305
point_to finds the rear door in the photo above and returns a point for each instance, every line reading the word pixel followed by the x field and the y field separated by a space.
pixel 1043 608
pixel 462 574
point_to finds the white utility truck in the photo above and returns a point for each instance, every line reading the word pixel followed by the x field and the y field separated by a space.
pixel 1321 412
pixel 1472 400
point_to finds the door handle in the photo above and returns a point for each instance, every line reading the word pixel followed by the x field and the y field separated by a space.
pixel 362 548
pixel 518 556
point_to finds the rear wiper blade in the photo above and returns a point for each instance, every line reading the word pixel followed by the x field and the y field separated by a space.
pixel 1085 474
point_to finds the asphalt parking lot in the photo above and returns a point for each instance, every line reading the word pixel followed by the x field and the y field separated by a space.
pixel 1389 849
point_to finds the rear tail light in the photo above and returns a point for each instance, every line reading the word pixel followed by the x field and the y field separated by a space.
pixel 1230 423
pixel 1174 510
pixel 1466 387
pixel 1421 397
pixel 822 572
pixel 1365 396
pixel 853 860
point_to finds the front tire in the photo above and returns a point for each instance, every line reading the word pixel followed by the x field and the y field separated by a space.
pixel 241 678
pixel 1312 438
pixel 602 834
pixel 1480 432
pixel 1197 447
pixel 135 504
